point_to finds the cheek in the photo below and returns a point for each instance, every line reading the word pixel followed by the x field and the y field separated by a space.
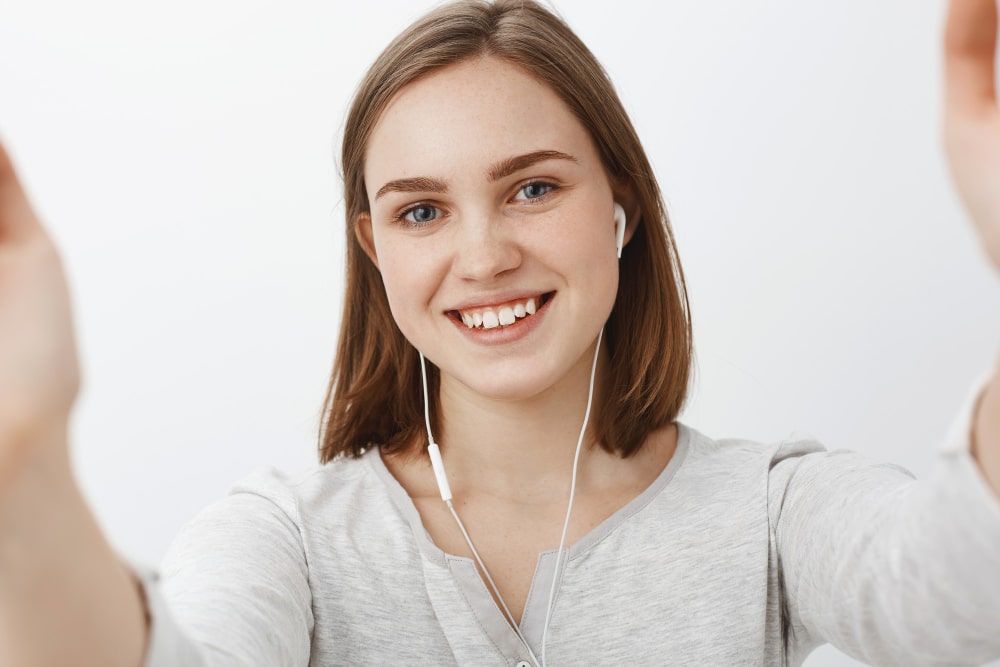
pixel 592 264
pixel 583 245
pixel 409 280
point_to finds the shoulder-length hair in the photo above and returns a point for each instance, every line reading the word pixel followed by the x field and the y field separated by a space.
pixel 374 396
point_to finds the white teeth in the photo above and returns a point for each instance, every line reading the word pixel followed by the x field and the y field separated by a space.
pixel 488 318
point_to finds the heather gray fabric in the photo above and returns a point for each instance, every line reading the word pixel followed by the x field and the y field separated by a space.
pixel 740 553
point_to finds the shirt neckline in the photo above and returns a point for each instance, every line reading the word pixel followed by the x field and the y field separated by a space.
pixel 466 577
pixel 431 550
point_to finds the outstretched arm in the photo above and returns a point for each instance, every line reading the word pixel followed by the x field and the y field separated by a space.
pixel 972 142
pixel 65 599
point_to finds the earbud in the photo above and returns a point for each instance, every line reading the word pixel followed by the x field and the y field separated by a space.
pixel 619 228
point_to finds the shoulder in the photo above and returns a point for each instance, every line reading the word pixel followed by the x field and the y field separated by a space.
pixel 779 460
pixel 728 476
pixel 799 482
pixel 292 493
pixel 740 457
pixel 798 472
pixel 778 495
pixel 273 509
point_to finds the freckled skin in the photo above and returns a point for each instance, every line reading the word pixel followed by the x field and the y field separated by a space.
pixel 453 126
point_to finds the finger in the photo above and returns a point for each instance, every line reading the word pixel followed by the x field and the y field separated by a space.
pixel 970 51
pixel 17 220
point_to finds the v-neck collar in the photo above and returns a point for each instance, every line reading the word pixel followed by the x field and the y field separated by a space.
pixel 466 576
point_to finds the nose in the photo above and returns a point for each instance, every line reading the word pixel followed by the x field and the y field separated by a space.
pixel 486 248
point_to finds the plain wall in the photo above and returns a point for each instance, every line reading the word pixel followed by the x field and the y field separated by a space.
pixel 183 156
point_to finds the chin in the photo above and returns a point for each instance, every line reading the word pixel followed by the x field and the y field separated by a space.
pixel 510 383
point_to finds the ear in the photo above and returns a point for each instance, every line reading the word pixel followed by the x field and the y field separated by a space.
pixel 625 195
pixel 365 236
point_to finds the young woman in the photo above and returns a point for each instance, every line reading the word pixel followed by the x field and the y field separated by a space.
pixel 504 480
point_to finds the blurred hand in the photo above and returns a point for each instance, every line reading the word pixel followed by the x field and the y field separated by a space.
pixel 39 370
pixel 972 118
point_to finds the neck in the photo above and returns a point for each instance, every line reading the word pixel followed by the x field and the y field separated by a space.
pixel 522 449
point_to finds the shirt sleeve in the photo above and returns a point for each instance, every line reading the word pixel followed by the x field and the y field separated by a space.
pixel 233 589
pixel 890 570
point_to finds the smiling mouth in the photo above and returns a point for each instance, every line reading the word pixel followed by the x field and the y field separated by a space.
pixel 501 315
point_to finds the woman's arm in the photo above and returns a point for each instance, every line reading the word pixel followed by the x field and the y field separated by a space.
pixel 234 588
pixel 972 141
pixel 890 570
pixel 65 598
pixel 237 581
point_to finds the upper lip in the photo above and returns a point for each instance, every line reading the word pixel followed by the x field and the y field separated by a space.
pixel 497 298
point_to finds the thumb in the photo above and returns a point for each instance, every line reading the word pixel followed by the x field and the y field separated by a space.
pixel 17 221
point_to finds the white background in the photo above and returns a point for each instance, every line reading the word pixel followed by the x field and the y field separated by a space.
pixel 182 154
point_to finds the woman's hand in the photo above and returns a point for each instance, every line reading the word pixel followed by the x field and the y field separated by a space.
pixel 39 371
pixel 972 118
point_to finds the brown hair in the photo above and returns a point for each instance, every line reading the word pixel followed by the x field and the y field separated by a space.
pixel 374 397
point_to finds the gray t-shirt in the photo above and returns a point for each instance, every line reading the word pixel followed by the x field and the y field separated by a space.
pixel 740 553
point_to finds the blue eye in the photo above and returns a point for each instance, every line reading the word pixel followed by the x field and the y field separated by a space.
pixel 535 190
pixel 418 215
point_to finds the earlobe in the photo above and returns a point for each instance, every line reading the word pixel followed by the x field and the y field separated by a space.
pixel 366 238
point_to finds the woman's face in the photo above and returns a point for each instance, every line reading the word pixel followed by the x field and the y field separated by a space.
pixel 492 225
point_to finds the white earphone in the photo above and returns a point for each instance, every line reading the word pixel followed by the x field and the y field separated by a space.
pixel 442 478
pixel 619 228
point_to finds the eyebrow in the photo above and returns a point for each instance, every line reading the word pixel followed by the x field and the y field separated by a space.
pixel 501 169
pixel 419 184
pixel 505 168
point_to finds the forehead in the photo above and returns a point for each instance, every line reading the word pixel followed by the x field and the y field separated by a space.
pixel 459 120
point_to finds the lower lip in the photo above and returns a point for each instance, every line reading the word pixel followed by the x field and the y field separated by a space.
pixel 508 334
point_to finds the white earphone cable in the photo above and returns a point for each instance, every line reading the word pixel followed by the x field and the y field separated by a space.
pixel 557 572
pixel 442 479
pixel 446 496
